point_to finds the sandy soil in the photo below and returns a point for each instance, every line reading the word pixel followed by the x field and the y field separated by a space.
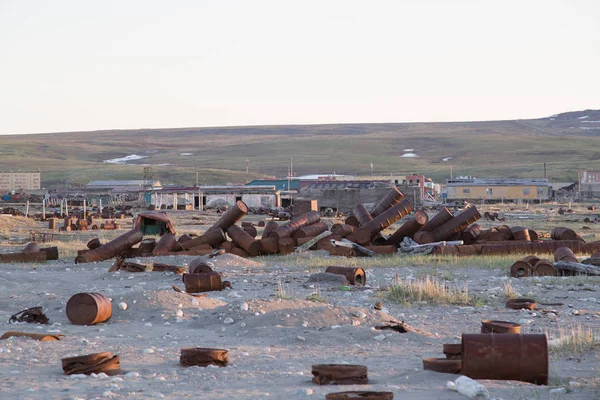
pixel 273 343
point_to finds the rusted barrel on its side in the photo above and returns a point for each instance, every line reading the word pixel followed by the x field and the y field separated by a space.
pixel 355 276
pixel 443 216
pixel 195 283
pixel 92 364
pixel 340 374
pixel 51 252
pixel 250 230
pixel 31 247
pixel 239 252
pixel 244 240
pixel 491 326
pixel 342 229
pixel 184 238
pixel 506 357
pixel 311 230
pixel 360 395
pixel 531 260
pixel 454 226
pixel 562 233
pixel 521 269
pixel 409 228
pixel 352 221
pixel 112 248
pixel 165 244
pixel 231 216
pixel 287 245
pixel 212 238
pixel 88 309
pixel 269 227
pixel 393 197
pixel 364 234
pixel 269 245
pixel 564 254
pixel 544 268
pixel 470 235
pixel 287 230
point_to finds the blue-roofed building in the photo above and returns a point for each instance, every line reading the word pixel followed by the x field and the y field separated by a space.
pixel 280 184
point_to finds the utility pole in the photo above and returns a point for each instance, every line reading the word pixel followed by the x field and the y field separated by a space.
pixel 545 170
pixel 196 178
pixel 247 162
pixel 371 168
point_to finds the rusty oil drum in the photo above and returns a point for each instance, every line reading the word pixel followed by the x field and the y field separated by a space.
pixel 195 283
pixel 88 309
pixel 355 276
pixel 358 395
pixel 505 357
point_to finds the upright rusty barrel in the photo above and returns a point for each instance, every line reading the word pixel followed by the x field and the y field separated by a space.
pixel 409 228
pixel 520 233
pixel 231 216
pixel 505 357
pixel 564 254
pixel 364 234
pixel 88 309
pixel 244 240
pixel 393 197
pixel 287 230
pixel 165 244
pixel 454 226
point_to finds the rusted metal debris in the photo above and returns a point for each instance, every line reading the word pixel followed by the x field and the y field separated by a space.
pixel 33 315
pixel 92 364
pixel 112 248
pixel 355 276
pixel 339 374
pixel 518 304
pixel 506 357
pixel 445 365
pixel 360 395
pixel 88 309
pixel 564 254
pixel 204 282
pixel 453 351
pixel 121 264
pixel 403 327
pixel 35 336
pixel 491 326
pixel 203 357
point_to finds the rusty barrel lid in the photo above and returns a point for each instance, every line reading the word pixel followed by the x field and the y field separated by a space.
pixel 360 395
pixel 445 365
pixel 92 363
pixel 88 309
pixel 339 374
pixel 203 357
pixel 518 304
pixel 491 326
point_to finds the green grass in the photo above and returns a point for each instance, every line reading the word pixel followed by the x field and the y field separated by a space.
pixel 493 149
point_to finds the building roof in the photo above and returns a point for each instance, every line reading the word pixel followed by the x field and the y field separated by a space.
pixel 496 182
pixel 280 184
pixel 138 182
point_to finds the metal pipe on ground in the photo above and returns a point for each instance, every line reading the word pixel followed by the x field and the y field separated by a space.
pixel 408 229
pixel 112 248
pixel 231 216
pixel 287 230
pixel 393 197
pixel 244 240
pixel 365 233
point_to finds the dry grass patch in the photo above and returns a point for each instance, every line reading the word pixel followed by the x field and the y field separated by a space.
pixel 574 340
pixel 509 291
pixel 431 291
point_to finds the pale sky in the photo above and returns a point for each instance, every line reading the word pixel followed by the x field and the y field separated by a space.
pixel 90 65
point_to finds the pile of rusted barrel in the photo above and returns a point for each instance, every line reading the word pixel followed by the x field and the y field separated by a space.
pixel 82 224
pixel 535 266
pixel 32 252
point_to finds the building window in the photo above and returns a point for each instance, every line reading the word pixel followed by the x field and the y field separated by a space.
pixel 410 181
pixel 418 180
pixel 526 191
pixel 540 191
pixel 466 190
pixel 396 181
pixel 488 191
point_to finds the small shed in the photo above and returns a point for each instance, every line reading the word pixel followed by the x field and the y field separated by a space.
pixel 154 223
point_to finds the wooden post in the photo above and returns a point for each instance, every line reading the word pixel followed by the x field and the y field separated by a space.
pixel 84 210
pixel 67 208
pixel 27 209
pixel 61 208
pixel 44 209
pixel 174 201
pixel 100 208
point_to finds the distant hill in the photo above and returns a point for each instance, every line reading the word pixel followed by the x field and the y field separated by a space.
pixel 516 148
